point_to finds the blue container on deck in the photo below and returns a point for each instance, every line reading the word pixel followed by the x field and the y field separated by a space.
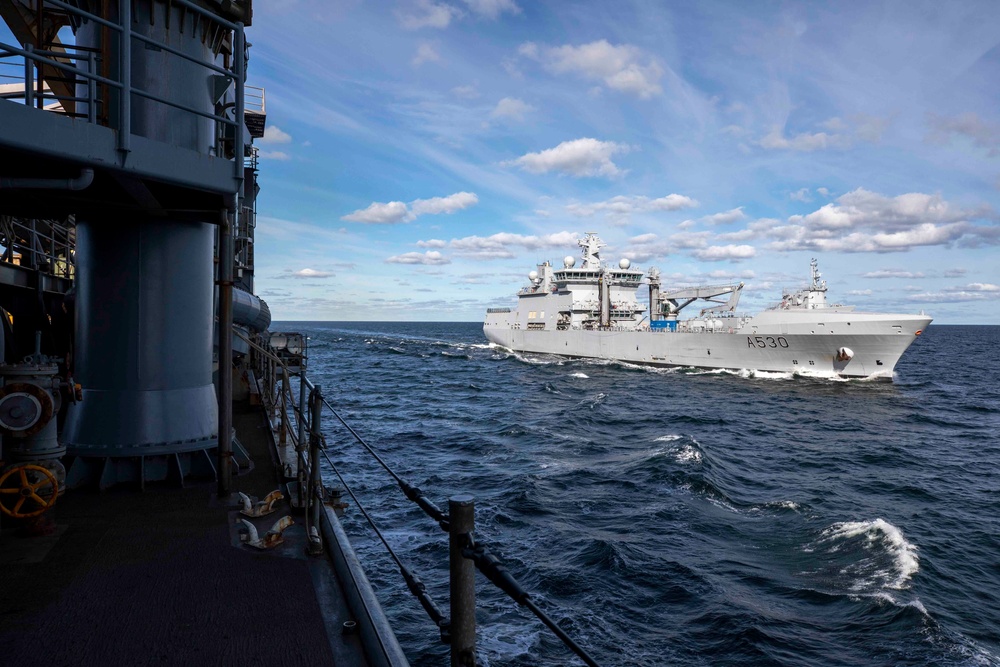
pixel 660 325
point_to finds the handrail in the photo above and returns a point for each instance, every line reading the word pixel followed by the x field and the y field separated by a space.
pixel 78 62
pixel 469 547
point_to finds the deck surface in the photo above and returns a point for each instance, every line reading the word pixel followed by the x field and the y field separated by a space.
pixel 159 578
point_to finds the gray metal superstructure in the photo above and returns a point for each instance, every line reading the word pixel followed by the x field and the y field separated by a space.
pixel 592 312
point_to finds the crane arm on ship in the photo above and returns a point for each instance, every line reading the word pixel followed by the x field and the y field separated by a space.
pixel 672 300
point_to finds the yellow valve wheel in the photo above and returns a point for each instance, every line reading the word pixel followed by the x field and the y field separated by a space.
pixel 16 489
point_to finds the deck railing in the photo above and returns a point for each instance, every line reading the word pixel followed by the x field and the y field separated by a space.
pixel 299 420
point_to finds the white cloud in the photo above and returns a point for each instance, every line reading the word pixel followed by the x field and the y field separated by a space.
pixel 893 273
pixel 437 205
pixel 275 135
pixel 432 243
pixel 511 108
pixel 492 9
pixel 426 53
pixel 864 221
pixel 624 68
pixel 618 209
pixel 802 195
pixel 426 14
pixel 312 273
pixel 429 258
pixel 281 156
pixel 498 246
pixel 580 157
pixel 970 292
pixel 397 211
pixel 732 253
pixel 377 213
pixel 726 218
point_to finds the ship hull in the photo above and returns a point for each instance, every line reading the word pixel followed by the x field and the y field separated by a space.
pixel 786 344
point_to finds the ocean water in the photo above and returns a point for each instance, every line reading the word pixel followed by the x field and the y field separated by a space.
pixel 681 516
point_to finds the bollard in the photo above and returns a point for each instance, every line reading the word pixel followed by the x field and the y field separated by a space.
pixel 462 521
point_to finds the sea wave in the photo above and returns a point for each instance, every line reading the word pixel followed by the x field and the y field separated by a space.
pixel 873 555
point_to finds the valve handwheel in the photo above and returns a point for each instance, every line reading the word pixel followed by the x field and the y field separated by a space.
pixel 18 487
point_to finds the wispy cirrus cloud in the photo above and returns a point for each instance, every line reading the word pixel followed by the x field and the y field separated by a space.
pixel 501 245
pixel 397 211
pixel 618 210
pixel 970 126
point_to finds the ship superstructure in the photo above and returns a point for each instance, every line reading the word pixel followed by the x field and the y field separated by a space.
pixel 593 311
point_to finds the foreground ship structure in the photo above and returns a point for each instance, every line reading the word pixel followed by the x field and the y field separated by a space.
pixel 592 311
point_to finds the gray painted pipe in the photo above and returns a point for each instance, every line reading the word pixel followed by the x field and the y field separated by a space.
pixel 81 182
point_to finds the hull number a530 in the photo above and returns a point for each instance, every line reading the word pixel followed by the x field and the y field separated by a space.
pixel 766 341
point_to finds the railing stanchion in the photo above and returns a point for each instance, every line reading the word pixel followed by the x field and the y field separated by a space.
pixel 462 520
pixel 316 484
pixel 300 446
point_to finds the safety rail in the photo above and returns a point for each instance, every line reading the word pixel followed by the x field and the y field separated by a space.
pixel 80 66
pixel 300 420
pixel 43 245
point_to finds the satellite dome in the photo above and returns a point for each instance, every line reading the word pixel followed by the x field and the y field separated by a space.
pixel 533 275
pixel 624 263
pixel 569 261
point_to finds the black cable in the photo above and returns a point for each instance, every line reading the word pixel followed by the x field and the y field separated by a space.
pixel 413 582
pixel 413 493
pixel 494 570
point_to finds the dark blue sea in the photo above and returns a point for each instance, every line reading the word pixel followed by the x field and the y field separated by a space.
pixel 682 517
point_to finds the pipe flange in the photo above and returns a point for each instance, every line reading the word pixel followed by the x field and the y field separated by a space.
pixel 25 409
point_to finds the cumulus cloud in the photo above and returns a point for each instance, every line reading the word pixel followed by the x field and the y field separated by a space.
pixel 511 108
pixel 501 245
pixel 438 205
pixel 426 14
pixel 397 211
pixel 307 273
pixel 802 195
pixel 580 157
pixel 432 243
pixel 726 217
pixel 275 135
pixel 426 53
pixel 968 125
pixel 429 258
pixel 624 67
pixel 377 213
pixel 719 253
pixel 864 221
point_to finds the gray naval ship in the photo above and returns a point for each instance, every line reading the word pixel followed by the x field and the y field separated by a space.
pixel 591 311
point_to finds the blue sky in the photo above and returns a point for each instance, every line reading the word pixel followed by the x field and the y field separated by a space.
pixel 422 156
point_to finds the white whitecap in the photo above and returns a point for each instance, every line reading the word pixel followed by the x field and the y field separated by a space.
pixel 879 535
pixel 687 454
pixel 582 376
pixel 669 438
